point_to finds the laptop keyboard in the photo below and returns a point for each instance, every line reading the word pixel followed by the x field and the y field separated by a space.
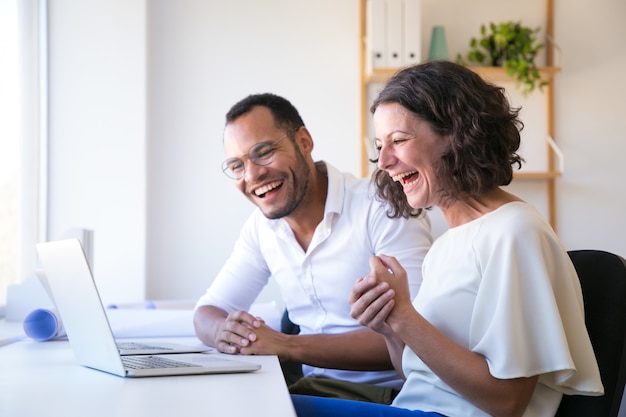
pixel 152 362
pixel 139 346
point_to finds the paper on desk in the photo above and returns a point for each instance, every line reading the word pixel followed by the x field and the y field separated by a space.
pixel 156 320
pixel 138 321
pixel 133 322
pixel 157 304
pixel 45 324
pixel 171 318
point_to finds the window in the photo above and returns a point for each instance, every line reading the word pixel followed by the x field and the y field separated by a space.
pixel 22 137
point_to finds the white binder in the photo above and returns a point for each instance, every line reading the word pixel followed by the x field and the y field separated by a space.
pixel 376 34
pixel 395 33
pixel 412 53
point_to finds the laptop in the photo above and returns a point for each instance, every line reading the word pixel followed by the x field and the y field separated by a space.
pixel 89 332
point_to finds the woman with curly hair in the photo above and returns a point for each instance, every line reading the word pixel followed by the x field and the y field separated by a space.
pixel 497 327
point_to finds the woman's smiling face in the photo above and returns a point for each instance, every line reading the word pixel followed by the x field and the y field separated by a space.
pixel 409 151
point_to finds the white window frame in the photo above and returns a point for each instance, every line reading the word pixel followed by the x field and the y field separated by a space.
pixel 33 190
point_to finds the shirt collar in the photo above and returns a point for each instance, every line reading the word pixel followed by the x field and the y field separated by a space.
pixel 336 189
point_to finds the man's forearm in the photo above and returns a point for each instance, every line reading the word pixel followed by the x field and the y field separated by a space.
pixel 361 350
pixel 207 321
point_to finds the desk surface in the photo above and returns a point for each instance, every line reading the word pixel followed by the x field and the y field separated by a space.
pixel 44 378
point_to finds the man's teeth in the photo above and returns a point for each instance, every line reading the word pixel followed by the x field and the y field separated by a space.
pixel 398 178
pixel 262 190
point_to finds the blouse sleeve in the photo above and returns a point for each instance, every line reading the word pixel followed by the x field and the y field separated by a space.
pixel 529 314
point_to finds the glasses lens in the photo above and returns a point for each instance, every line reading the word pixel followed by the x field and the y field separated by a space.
pixel 234 168
pixel 262 153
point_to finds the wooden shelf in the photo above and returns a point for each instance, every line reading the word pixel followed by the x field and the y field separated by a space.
pixel 548 175
pixel 380 75
pixel 499 74
pixel 495 74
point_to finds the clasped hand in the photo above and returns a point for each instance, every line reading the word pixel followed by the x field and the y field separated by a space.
pixel 237 331
pixel 244 333
pixel 374 297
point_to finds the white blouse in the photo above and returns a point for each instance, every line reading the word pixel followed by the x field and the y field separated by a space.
pixel 504 287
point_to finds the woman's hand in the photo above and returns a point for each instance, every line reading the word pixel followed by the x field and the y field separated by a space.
pixel 374 296
pixel 388 269
pixel 371 302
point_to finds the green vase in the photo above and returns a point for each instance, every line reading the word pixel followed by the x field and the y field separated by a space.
pixel 438 47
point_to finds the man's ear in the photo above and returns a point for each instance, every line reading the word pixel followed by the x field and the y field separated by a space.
pixel 304 140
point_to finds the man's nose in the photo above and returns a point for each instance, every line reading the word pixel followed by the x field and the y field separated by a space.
pixel 252 170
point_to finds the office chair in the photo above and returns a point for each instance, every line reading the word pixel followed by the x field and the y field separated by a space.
pixel 603 281
pixel 292 371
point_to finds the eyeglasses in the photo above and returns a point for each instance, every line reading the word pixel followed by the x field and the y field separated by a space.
pixel 261 154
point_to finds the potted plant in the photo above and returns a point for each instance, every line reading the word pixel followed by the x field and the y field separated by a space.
pixel 509 45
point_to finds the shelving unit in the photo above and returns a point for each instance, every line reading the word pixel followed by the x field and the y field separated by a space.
pixel 494 74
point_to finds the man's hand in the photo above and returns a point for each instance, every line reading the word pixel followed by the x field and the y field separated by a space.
pixel 238 331
pixel 268 342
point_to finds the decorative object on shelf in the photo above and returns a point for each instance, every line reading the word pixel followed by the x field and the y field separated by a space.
pixel 438 46
pixel 512 46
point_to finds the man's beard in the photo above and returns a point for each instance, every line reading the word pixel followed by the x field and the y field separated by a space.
pixel 301 179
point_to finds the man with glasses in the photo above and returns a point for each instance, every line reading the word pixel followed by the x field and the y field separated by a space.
pixel 314 233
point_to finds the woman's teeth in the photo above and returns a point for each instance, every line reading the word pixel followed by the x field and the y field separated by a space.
pixel 403 177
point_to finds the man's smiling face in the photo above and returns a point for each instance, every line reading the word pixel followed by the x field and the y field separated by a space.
pixel 278 187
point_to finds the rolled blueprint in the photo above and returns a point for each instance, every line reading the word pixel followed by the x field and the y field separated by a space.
pixel 44 324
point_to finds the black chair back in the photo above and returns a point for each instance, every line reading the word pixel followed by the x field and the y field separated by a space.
pixel 603 280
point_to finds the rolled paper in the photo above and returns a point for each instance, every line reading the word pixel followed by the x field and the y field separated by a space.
pixel 43 324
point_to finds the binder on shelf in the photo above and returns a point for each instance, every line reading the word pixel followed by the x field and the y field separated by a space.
pixel 395 33
pixel 412 32
pixel 376 34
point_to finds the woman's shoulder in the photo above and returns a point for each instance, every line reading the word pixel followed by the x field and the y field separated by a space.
pixel 513 222
pixel 516 215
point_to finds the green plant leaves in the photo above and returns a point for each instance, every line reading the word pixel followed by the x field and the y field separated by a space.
pixel 512 46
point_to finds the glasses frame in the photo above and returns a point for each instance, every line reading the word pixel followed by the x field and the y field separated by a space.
pixel 225 165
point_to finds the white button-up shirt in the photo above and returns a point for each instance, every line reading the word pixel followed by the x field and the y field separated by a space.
pixel 315 284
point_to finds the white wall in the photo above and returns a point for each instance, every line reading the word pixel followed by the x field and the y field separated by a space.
pixel 203 57
pixel 591 124
pixel 139 89
pixel 97 135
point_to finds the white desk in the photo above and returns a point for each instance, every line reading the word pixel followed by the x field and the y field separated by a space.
pixel 44 378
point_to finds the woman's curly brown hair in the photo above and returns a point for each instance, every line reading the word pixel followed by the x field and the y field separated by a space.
pixel 483 130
